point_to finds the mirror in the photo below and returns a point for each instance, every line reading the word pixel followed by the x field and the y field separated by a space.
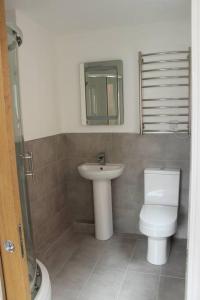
pixel 102 93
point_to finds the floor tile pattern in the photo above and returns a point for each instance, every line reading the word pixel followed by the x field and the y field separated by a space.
pixel 82 268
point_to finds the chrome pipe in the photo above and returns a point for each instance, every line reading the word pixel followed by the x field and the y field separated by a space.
pixel 165 77
pixel 165 61
pixel 162 131
pixel 164 52
pixel 29 158
pixel 166 69
pixel 167 123
pixel 166 99
pixel 164 107
pixel 140 91
pixel 165 85
pixel 189 90
pixel 104 76
pixel 165 115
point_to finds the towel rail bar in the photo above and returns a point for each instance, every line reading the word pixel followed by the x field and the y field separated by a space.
pixel 165 107
pixel 165 77
pixel 165 52
pixel 163 95
pixel 165 99
pixel 165 61
pixel 166 69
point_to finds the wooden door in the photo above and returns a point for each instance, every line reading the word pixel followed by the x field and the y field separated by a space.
pixel 15 269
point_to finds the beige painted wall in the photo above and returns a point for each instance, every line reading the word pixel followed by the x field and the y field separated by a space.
pixel 49 71
pixel 116 43
pixel 37 80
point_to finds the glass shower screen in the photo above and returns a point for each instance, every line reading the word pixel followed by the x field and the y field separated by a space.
pixel 13 42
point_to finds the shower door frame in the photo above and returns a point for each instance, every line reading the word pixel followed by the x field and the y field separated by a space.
pixel 15 268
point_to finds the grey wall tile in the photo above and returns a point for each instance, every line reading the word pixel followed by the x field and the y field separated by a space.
pixel 126 220
pixel 31 188
pixel 57 158
pixel 46 179
pixel 129 146
pixel 124 146
pixel 50 208
pixel 63 148
pixel 44 150
pixel 62 170
pixel 80 195
pixel 59 197
pixel 87 144
pixel 164 147
pixel 176 263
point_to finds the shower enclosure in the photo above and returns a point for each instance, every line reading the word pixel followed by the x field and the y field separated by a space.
pixel 24 160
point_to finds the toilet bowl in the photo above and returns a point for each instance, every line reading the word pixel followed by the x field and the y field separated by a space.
pixel 158 223
pixel 158 216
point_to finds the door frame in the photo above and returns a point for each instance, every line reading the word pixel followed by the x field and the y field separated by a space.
pixel 15 268
pixel 193 258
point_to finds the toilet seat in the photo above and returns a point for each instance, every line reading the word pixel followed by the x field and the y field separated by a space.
pixel 158 220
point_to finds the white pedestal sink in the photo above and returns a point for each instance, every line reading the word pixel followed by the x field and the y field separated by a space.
pixel 101 176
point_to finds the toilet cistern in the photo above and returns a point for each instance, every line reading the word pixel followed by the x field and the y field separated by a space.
pixel 101 176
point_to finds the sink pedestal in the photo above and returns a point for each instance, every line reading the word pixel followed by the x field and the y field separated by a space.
pixel 103 209
pixel 101 175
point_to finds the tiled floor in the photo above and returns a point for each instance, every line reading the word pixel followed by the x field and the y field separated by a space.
pixel 84 268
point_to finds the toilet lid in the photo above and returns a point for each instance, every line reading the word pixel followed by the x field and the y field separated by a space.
pixel 158 215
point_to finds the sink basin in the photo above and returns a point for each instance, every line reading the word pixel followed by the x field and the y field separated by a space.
pixel 101 176
pixel 100 172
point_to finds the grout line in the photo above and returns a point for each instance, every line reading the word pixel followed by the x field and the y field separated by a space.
pixel 125 273
pixel 158 288
pixel 172 276
pixel 165 276
pixel 159 274
pixel 66 261
pixel 146 273
pixel 68 231
pixel 131 236
pixel 90 275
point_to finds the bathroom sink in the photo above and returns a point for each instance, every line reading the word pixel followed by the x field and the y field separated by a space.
pixel 101 176
pixel 94 171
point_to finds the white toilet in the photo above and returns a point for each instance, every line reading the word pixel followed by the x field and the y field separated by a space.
pixel 158 216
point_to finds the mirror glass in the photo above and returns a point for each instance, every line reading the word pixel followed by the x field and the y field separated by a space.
pixel 102 93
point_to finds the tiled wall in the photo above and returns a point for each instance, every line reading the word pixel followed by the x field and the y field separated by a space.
pixel 47 193
pixel 136 152
pixel 60 196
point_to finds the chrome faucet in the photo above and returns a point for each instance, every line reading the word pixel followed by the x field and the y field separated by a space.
pixel 101 158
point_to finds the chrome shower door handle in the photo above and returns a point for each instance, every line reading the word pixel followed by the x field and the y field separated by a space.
pixel 29 158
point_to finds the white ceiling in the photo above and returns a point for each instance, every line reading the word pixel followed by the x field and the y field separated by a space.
pixel 75 15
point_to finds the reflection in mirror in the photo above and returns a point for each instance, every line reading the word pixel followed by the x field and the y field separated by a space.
pixel 102 93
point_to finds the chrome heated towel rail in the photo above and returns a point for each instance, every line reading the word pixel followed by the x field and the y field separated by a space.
pixel 164 92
